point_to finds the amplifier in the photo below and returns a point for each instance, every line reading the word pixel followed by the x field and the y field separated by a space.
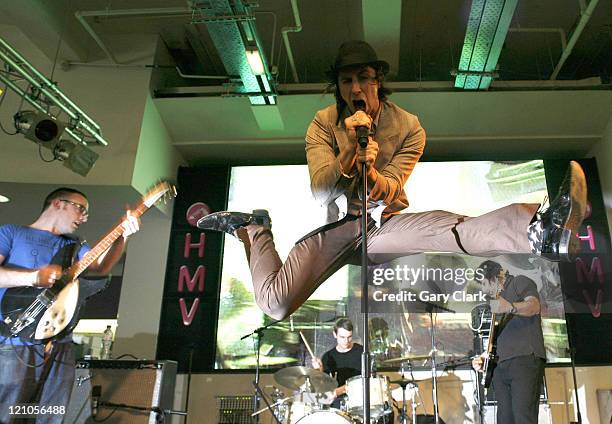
pixel 138 390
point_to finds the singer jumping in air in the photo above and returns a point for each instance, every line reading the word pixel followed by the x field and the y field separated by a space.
pixel 395 142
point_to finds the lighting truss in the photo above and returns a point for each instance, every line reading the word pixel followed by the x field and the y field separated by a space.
pixel 486 32
pixel 33 87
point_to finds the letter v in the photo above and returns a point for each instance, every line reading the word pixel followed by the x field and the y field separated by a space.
pixel 595 309
pixel 188 317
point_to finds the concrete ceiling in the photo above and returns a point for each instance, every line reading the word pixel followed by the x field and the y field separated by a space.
pixel 422 40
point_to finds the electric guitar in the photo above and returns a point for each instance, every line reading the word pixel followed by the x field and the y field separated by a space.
pixel 490 360
pixel 39 315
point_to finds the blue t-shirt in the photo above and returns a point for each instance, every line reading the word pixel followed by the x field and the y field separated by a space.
pixel 29 248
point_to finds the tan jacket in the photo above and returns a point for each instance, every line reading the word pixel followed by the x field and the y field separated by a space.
pixel 401 141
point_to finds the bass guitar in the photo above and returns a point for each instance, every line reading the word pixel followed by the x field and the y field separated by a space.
pixel 490 359
pixel 40 315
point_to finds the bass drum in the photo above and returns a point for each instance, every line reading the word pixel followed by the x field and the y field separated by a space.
pixel 328 416
pixel 379 395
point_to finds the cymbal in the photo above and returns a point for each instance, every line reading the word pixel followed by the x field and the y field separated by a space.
pixel 395 361
pixel 402 381
pixel 263 361
pixel 294 378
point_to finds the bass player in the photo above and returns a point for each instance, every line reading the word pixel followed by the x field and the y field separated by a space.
pixel 520 353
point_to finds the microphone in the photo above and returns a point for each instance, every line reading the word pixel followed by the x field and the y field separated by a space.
pixel 96 392
pixel 362 135
pixel 362 131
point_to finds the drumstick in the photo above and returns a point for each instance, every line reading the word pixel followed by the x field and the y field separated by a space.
pixel 307 345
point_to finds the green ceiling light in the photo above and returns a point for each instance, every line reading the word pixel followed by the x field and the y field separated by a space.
pixel 255 61
pixel 487 27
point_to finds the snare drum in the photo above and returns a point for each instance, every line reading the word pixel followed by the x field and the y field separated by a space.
pixel 328 416
pixel 379 395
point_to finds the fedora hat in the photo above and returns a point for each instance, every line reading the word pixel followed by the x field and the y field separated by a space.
pixel 357 52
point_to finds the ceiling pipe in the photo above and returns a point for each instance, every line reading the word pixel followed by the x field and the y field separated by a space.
pixel 582 22
pixel 284 31
pixel 67 65
pixel 81 15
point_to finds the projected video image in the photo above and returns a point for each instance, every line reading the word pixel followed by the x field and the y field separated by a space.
pixel 469 188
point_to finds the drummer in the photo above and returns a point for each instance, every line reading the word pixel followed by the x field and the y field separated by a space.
pixel 341 362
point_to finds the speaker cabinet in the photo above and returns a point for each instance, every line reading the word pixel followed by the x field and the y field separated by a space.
pixel 137 390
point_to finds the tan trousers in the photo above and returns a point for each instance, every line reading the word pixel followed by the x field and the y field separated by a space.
pixel 281 288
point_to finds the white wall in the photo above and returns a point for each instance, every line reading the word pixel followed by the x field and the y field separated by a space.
pixel 561 392
pixel 142 287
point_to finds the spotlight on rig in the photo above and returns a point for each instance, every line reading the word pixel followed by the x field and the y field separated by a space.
pixel 46 131
pixel 76 157
pixel 39 127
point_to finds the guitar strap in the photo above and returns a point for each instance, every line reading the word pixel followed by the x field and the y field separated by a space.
pixel 72 249
pixel 504 321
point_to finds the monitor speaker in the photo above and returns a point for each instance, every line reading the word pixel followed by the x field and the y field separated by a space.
pixel 121 391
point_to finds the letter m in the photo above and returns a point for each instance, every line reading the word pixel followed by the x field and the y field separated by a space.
pixel 185 278
pixel 589 275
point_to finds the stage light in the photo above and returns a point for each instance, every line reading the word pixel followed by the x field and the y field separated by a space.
pixel 45 96
pixel 46 131
pixel 39 127
pixel 76 157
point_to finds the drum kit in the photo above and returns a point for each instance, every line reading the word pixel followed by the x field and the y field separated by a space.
pixel 312 396
pixel 310 403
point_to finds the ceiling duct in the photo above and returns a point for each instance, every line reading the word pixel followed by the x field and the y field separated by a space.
pixel 231 26
pixel 484 38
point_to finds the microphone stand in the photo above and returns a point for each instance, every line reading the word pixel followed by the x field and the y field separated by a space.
pixel 268 406
pixel 189 372
pixel 365 357
pixel 434 394
pixel 259 332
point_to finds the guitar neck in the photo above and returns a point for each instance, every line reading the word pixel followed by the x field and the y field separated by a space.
pixel 103 245
pixel 492 334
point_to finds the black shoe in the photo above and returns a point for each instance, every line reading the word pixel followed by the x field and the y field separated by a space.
pixel 231 221
pixel 553 235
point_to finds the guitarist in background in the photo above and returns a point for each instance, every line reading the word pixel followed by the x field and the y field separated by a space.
pixel 520 345
pixel 37 374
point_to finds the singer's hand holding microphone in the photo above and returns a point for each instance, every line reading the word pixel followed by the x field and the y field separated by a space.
pixel 358 127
